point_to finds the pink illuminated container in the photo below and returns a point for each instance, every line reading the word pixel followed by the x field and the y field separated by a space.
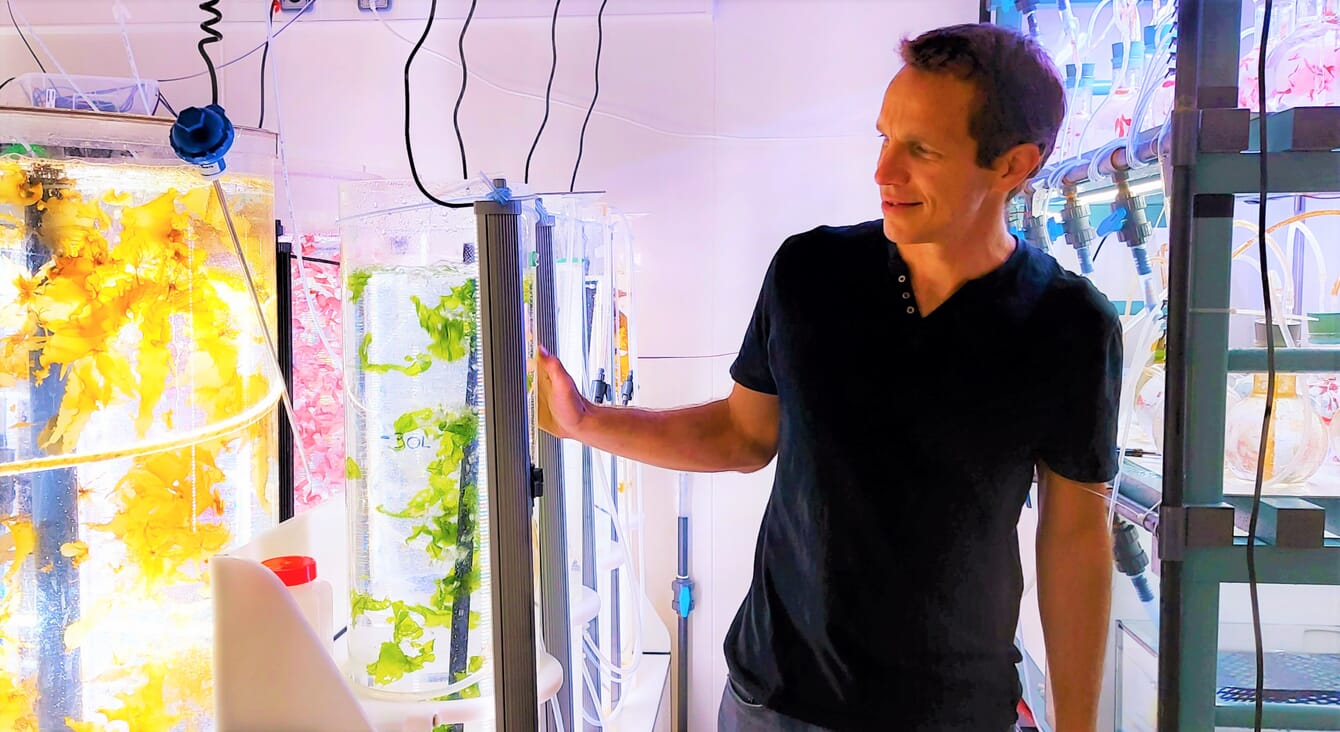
pixel 318 383
pixel 1304 69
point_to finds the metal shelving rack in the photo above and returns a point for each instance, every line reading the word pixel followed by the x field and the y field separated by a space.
pixel 1214 153
pixel 1212 147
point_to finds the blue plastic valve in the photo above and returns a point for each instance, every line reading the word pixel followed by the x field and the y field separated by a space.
pixel 1113 222
pixel 1055 229
pixel 202 136
pixel 685 601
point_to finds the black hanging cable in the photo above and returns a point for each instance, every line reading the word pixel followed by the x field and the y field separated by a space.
pixel 553 67
pixel 270 9
pixel 6 82
pixel 10 6
pixel 166 104
pixel 581 141
pixel 212 35
pixel 1270 374
pixel 409 146
pixel 465 76
pixel 1099 248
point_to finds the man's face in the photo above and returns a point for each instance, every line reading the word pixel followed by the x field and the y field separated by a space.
pixel 930 185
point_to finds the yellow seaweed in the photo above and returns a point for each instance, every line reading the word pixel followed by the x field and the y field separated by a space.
pixel 93 301
pixel 18 703
pixel 165 693
pixel 14 186
pixel 76 551
pixel 169 516
pixel 15 548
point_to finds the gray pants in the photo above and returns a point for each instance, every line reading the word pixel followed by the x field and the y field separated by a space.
pixel 738 715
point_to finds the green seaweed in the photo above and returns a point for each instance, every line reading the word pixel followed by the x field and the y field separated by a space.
pixel 414 365
pixel 362 603
pixel 405 652
pixel 446 511
pixel 393 663
pixel 358 281
pixel 451 324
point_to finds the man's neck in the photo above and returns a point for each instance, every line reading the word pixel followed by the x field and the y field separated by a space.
pixel 940 269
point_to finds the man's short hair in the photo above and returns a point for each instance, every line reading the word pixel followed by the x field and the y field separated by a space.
pixel 1020 97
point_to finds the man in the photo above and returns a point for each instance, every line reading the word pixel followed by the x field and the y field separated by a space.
pixel 909 375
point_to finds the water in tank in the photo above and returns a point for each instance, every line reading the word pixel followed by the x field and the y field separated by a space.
pixel 137 403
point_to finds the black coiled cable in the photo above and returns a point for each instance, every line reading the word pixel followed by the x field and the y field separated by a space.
pixel 212 35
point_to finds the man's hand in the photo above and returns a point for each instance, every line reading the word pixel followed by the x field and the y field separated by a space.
pixel 738 433
pixel 561 408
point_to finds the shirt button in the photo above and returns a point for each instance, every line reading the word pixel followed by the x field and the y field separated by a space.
pixel 907 295
pixel 902 278
pixel 911 310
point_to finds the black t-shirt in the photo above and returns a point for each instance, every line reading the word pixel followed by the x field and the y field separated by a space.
pixel 886 581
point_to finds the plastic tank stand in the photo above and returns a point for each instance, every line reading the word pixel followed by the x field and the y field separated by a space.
pixel 272 672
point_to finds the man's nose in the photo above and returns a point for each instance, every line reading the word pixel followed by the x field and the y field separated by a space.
pixel 889 169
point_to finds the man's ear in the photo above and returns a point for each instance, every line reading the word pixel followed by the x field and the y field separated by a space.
pixel 1015 166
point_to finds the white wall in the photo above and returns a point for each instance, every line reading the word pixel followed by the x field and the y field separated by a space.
pixel 807 71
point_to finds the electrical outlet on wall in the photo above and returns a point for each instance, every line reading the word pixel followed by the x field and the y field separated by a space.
pixel 374 4
pixel 294 4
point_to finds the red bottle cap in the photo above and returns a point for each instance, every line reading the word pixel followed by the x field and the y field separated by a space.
pixel 292 570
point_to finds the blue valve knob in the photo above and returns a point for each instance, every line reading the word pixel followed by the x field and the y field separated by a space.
pixel 1055 229
pixel 1113 222
pixel 682 601
pixel 202 136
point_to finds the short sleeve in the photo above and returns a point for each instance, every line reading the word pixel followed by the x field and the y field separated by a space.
pixel 751 368
pixel 1080 436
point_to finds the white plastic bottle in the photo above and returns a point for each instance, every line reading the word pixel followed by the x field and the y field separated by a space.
pixel 313 596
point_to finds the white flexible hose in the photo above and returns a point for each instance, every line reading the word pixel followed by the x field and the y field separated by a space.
pixel 120 12
pixel 1315 247
pixel 1089 39
pixel 553 704
pixel 601 720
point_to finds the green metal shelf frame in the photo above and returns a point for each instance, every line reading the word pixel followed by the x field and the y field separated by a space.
pixel 1206 175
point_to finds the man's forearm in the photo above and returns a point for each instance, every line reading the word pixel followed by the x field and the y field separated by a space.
pixel 1075 597
pixel 698 439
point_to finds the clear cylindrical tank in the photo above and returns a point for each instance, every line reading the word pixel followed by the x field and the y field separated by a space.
pixel 415 465
pixel 593 272
pixel 137 403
